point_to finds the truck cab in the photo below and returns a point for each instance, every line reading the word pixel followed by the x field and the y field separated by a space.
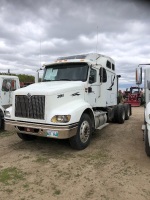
pixel 146 125
pixel 77 95
pixel 96 72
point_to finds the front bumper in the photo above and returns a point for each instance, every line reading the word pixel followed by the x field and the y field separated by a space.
pixel 42 130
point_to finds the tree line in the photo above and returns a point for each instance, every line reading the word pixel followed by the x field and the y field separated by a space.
pixel 22 77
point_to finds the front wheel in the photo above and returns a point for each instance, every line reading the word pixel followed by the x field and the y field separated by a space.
pixel 147 145
pixel 83 136
pixel 26 137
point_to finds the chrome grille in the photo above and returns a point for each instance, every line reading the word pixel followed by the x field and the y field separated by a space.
pixel 30 106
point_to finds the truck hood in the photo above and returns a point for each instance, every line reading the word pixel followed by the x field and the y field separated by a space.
pixel 51 88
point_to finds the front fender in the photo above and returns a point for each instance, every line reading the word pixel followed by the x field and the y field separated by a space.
pixel 147 113
pixel 74 108
pixel 147 119
pixel 148 132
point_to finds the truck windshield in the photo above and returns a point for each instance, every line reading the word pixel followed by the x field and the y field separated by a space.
pixel 66 72
pixel 135 91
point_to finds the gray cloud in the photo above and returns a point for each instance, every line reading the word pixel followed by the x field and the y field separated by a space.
pixel 56 28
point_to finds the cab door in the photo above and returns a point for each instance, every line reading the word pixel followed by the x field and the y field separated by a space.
pixel 111 89
pixel 93 92
pixel 7 88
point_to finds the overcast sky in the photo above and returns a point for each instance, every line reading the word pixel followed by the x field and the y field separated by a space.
pixel 38 31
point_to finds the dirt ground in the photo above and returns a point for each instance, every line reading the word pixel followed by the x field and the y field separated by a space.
pixel 113 167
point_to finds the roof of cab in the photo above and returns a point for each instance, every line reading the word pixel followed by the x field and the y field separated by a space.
pixel 9 76
pixel 89 56
pixel 93 58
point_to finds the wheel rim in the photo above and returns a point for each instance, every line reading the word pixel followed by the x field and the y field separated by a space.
pixel 84 131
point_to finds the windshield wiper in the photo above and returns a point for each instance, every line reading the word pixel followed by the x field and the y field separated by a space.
pixel 78 80
pixel 48 80
pixel 64 79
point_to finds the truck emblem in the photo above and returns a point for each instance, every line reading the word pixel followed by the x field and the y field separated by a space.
pixel 60 95
pixel 75 94
pixel 29 95
pixel 110 88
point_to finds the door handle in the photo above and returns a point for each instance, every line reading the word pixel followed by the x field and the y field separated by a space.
pixel 89 89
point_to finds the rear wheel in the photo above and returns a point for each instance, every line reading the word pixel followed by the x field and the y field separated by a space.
pixel 147 145
pixel 115 119
pixel 82 138
pixel 120 114
pixel 26 137
pixel 127 111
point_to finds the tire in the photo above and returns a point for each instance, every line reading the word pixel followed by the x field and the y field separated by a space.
pixel 26 137
pixel 1 120
pixel 115 119
pixel 83 136
pixel 147 146
pixel 127 111
pixel 120 114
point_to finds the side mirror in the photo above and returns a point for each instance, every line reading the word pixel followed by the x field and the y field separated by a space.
pixel 139 75
pixel 37 77
pixel 91 79
pixel 8 85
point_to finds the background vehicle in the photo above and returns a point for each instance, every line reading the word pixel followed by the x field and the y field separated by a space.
pixel 146 125
pixel 77 95
pixel 134 96
pixel 8 84
pixel 24 84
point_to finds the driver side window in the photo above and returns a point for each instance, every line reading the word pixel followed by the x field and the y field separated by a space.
pixel 8 85
pixel 92 77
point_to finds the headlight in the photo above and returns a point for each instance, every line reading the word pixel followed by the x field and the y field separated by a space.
pixel 61 118
pixel 7 114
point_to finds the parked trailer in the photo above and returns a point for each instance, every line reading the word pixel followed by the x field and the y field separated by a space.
pixel 77 95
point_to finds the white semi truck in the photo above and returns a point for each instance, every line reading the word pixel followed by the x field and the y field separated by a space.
pixel 146 125
pixel 77 95
pixel 8 84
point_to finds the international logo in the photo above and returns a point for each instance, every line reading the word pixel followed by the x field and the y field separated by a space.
pixel 29 95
